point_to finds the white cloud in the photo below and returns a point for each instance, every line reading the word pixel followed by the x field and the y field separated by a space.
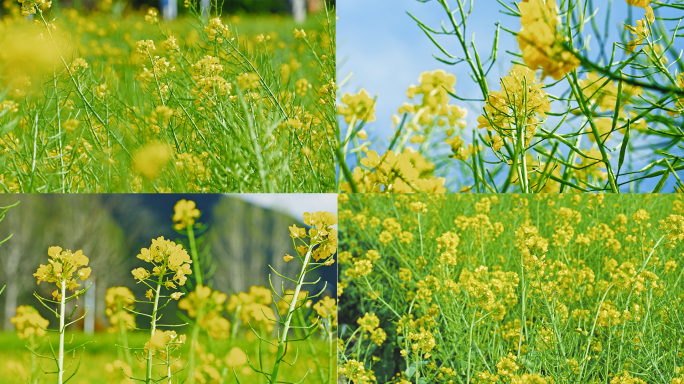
pixel 294 204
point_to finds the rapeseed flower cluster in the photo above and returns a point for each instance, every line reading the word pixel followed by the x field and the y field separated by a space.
pixel 253 308
pixel 168 259
pixel 207 305
pixel 540 41
pixel 404 172
pixel 359 107
pixel 29 323
pixel 64 269
pixel 184 214
pixel 515 111
pixel 119 302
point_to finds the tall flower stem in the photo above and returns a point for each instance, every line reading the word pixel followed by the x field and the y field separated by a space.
pixel 331 357
pixel 62 310
pixel 293 304
pixel 33 379
pixel 193 341
pixel 194 255
pixel 124 341
pixel 199 282
pixel 153 327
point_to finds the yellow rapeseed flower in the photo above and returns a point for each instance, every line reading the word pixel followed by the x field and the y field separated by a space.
pixel 185 213
pixel 359 106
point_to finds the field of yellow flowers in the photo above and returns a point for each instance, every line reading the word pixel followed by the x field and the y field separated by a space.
pixel 110 102
pixel 583 96
pixel 524 289
pixel 269 335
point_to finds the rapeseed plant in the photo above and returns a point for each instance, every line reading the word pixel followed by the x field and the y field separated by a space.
pixel 120 305
pixel 314 249
pixel 64 269
pixel 171 266
pixel 511 289
pixel 31 326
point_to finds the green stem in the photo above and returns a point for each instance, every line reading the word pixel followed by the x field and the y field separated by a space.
pixel 331 357
pixel 577 90
pixel 153 328
pixel 193 253
pixel 312 349
pixel 283 342
pixel 32 341
pixel 193 341
pixel 60 360
pixel 124 339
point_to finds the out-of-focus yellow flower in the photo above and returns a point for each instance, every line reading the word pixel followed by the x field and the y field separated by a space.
pixel 540 40
pixel 9 105
pixel 26 56
pixel 302 300
pixel 236 357
pixel 118 300
pixel 359 106
pixel 434 89
pixel 149 159
pixel 203 300
pixel 303 87
pixel 185 213
pixel 327 308
pixel 254 307
pixel 247 81
pixel 77 66
pixel 29 322
pixel 152 15
pixel 603 92
pixel 639 3
pixel 299 34
pixel 163 341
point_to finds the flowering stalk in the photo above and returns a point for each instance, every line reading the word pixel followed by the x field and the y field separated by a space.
pixel 282 343
pixel 171 266
pixel 62 306
pixel 319 251
pixel 30 325
pixel 63 269
pixel 185 214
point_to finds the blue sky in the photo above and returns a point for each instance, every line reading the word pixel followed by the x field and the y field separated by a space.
pixel 380 48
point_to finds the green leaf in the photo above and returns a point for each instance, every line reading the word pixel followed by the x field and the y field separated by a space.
pixel 661 183
pixel 411 370
pixel 623 148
